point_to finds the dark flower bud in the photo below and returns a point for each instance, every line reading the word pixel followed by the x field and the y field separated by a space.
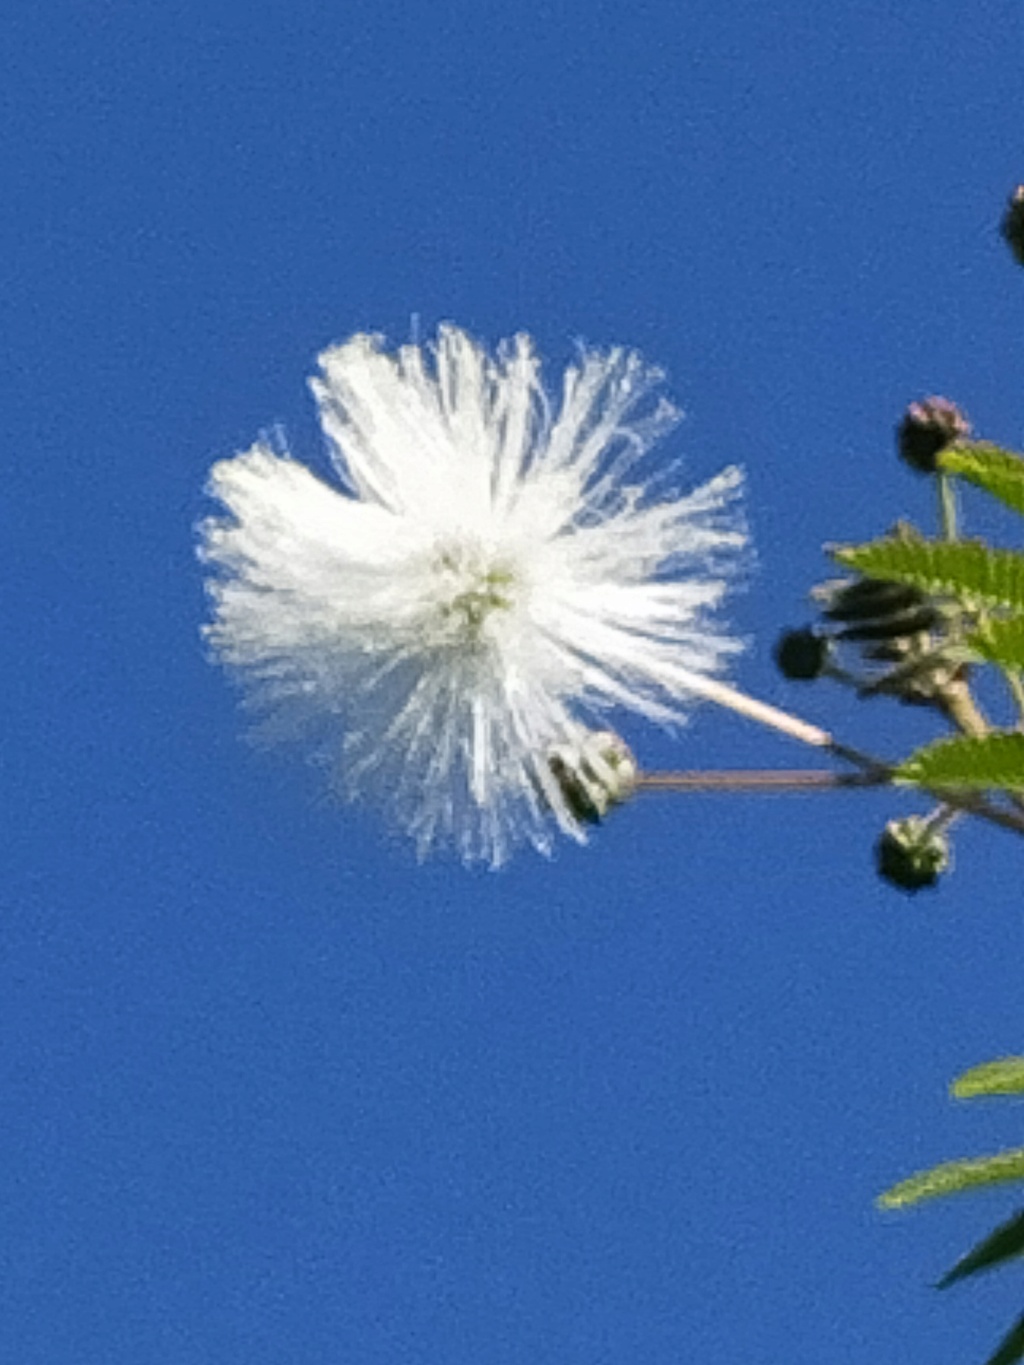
pixel 912 854
pixel 895 626
pixel 927 427
pixel 801 655
pixel 594 773
pixel 1013 224
pixel 868 599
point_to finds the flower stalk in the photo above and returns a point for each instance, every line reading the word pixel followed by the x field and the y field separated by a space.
pixel 711 689
pixel 772 780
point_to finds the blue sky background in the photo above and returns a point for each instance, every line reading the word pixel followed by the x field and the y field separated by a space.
pixel 269 1091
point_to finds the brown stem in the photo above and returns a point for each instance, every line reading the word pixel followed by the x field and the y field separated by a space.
pixel 973 802
pixel 874 773
pixel 781 780
pixel 961 710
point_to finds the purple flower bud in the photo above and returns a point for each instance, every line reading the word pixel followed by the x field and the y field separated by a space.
pixel 927 427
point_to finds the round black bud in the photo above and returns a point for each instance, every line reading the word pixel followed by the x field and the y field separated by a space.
pixel 801 655
pixel 1013 224
pixel 912 854
pixel 928 426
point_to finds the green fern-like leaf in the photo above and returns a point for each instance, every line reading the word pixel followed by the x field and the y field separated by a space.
pixel 1011 1348
pixel 999 472
pixel 1001 642
pixel 993 762
pixel 1004 1076
pixel 965 569
pixel 956 1177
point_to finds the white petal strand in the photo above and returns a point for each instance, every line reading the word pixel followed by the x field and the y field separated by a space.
pixel 493 573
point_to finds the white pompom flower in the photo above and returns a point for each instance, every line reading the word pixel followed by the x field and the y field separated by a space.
pixel 493 573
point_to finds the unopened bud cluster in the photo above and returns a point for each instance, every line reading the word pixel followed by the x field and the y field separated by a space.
pixel 926 428
pixel 912 854
pixel 594 773
pixel 878 636
pixel 887 637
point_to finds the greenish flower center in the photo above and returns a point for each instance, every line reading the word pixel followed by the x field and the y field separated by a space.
pixel 473 589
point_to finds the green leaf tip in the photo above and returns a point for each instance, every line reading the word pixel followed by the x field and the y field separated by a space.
pixel 955 1177
pixel 1004 1076
pixel 1005 1243
pixel 993 761
pixel 1011 1349
pixel 965 569
pixel 999 472
pixel 1000 641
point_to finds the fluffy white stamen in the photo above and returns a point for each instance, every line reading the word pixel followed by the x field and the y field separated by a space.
pixel 493 572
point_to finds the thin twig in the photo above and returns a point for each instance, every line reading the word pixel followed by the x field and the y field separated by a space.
pixel 734 700
pixel 880 773
pixel 981 806
pixel 873 774
pixel 947 507
pixel 774 780
pixel 956 702
pixel 975 803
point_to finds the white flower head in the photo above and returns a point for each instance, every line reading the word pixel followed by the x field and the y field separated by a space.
pixel 493 572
